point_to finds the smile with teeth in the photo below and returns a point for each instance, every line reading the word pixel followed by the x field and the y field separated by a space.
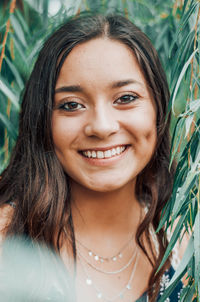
pixel 104 154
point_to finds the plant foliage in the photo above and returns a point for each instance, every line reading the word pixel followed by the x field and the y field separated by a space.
pixel 173 27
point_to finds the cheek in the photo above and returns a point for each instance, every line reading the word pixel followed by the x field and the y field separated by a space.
pixel 142 124
pixel 62 131
pixel 58 133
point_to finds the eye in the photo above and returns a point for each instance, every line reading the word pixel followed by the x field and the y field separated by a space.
pixel 71 106
pixel 126 99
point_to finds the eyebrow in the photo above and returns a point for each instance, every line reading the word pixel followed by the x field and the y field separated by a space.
pixel 72 88
pixel 122 83
pixel 78 88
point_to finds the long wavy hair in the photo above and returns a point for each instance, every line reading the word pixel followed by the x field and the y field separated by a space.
pixel 35 181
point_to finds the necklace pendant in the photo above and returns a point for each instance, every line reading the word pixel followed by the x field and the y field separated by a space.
pixel 128 286
pixel 99 295
pixel 90 253
pixel 114 258
pixel 88 281
pixel 120 255
pixel 102 261
pixel 96 257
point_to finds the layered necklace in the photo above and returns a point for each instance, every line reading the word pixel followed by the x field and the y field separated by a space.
pixel 92 260
pixel 96 257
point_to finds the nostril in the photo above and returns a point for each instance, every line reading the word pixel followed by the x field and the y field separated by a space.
pixel 101 128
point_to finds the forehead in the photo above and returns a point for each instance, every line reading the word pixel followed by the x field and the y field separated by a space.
pixel 100 60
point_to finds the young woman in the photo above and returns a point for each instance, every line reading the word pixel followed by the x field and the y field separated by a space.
pixel 89 173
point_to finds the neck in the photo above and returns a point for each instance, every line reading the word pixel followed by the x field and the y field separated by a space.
pixel 114 214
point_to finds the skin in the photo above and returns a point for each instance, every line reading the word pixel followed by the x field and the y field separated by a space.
pixel 110 105
pixel 102 117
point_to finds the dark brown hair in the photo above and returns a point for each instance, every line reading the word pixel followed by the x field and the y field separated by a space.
pixel 35 180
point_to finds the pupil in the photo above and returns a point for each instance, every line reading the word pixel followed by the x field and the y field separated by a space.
pixel 72 105
pixel 126 98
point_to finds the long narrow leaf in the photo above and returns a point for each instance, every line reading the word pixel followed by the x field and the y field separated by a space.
pixel 183 192
pixel 18 30
pixel 184 262
pixel 190 294
pixel 176 139
pixel 9 126
pixel 173 240
pixel 22 22
pixel 15 73
pixel 8 91
pixel 180 79
pixel 197 249
pixel 182 25
pixel 166 212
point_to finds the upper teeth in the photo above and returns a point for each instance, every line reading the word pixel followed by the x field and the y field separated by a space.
pixel 104 154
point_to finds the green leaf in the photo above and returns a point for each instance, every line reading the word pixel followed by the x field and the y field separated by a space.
pixel 194 105
pixel 21 51
pixel 175 236
pixel 2 27
pixel 190 294
pixel 174 93
pixel 161 35
pixel 183 22
pixel 10 93
pixel 183 192
pixel 196 161
pixel 22 21
pixel 3 163
pixel 16 73
pixel 184 262
pixel 34 51
pixel 197 249
pixel 18 30
pixel 9 126
pixel 176 139
pixel 182 56
pixel 45 4
pixel 164 217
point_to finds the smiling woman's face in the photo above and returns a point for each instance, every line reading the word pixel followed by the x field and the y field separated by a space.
pixel 104 119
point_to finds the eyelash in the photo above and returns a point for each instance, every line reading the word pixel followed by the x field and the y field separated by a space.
pixel 131 98
pixel 63 106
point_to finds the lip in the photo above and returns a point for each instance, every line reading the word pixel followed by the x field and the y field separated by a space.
pixel 105 161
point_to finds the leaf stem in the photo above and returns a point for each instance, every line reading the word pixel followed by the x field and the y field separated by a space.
pixel 12 9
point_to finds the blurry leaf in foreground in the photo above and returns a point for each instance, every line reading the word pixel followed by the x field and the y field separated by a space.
pixel 31 272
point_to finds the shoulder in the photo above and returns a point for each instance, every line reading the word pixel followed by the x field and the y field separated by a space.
pixel 5 218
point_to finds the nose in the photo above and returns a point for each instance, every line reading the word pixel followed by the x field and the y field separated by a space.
pixel 102 123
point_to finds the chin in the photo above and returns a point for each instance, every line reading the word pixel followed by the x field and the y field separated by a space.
pixel 104 187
